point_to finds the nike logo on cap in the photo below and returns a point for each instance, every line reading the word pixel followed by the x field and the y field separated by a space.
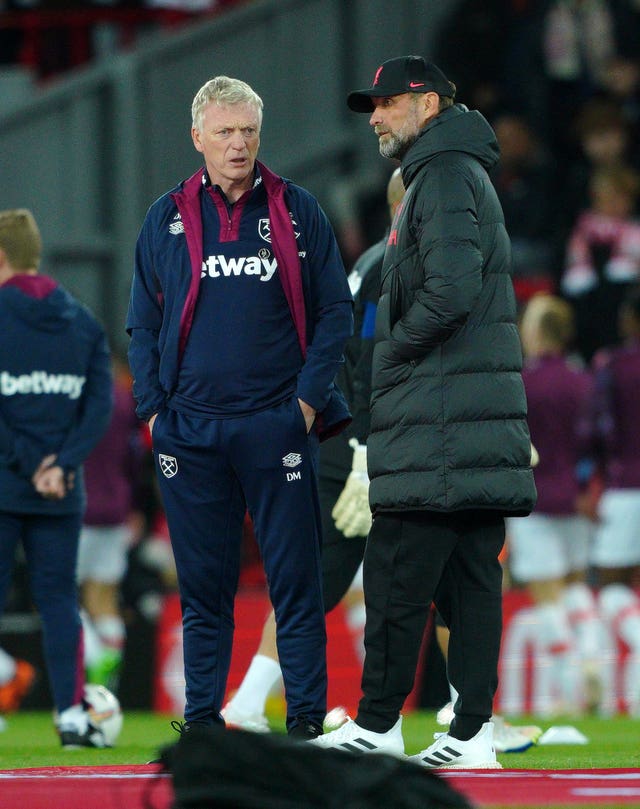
pixel 416 84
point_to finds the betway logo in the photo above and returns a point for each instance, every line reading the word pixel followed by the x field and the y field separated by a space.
pixel 216 266
pixel 41 382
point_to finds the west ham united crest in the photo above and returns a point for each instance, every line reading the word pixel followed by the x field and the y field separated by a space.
pixel 168 465
pixel 264 230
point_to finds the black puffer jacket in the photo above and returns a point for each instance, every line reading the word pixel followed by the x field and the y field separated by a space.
pixel 448 420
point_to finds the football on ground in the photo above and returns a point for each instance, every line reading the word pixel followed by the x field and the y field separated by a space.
pixel 105 714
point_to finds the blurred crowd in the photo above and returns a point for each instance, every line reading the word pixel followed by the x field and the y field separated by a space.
pixel 560 82
pixel 50 37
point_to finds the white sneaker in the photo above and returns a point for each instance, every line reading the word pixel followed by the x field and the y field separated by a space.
pixel 256 723
pixel 478 753
pixel 353 738
pixel 513 738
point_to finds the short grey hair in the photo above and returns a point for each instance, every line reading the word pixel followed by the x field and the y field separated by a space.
pixel 224 91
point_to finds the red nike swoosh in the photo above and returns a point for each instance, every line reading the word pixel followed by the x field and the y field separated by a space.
pixel 416 84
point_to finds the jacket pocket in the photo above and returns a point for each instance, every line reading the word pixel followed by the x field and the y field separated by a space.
pixel 388 370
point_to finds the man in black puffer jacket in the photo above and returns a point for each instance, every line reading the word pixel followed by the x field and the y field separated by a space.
pixel 449 449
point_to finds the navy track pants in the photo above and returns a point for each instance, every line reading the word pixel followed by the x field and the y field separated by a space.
pixel 210 471
pixel 50 544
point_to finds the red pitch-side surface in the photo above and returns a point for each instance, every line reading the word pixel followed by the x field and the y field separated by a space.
pixel 142 786
pixel 543 787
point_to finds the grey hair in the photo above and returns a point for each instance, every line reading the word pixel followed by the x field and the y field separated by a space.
pixel 224 91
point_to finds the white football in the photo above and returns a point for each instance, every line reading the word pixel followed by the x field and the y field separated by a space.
pixel 105 714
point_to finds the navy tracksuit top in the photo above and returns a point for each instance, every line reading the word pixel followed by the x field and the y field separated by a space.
pixel 242 353
pixel 55 390
pixel 174 269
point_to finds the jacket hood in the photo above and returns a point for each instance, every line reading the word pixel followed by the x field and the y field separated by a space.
pixel 40 302
pixel 456 129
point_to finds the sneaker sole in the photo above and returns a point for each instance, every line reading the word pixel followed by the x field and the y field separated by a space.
pixel 491 765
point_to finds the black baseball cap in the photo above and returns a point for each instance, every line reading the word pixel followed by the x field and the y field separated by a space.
pixel 404 74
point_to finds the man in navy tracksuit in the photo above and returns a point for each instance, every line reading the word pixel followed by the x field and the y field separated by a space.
pixel 55 404
pixel 239 313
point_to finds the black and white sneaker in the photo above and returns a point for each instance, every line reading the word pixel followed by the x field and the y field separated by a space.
pixel 355 739
pixel 180 728
pixel 73 740
pixel 305 730
pixel 477 753
pixel 76 731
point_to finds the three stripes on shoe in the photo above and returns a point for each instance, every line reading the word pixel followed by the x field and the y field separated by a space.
pixel 444 756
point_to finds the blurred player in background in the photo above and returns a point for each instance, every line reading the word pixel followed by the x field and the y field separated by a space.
pixel 55 404
pixel 112 523
pixel 549 549
pixel 616 550
pixel 16 679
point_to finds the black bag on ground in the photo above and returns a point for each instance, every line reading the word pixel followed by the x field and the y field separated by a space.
pixel 217 768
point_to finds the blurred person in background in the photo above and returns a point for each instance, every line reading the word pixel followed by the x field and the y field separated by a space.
pixel 578 44
pixel 603 257
pixel 55 404
pixel 622 75
pixel 616 551
pixel 16 680
pixel 523 179
pixel 549 549
pixel 112 523
pixel 603 140
pixel 622 84
pixel 491 47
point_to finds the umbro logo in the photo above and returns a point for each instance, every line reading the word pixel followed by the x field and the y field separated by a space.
pixel 168 465
pixel 292 459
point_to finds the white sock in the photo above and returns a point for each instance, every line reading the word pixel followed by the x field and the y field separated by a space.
pixel 93 648
pixel 453 693
pixel 621 608
pixel 555 645
pixel 583 615
pixel 355 618
pixel 111 631
pixel 261 678
pixel 7 667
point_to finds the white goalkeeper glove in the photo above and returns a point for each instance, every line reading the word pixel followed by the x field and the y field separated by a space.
pixel 535 458
pixel 351 512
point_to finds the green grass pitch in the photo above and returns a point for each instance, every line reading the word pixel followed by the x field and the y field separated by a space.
pixel 30 741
